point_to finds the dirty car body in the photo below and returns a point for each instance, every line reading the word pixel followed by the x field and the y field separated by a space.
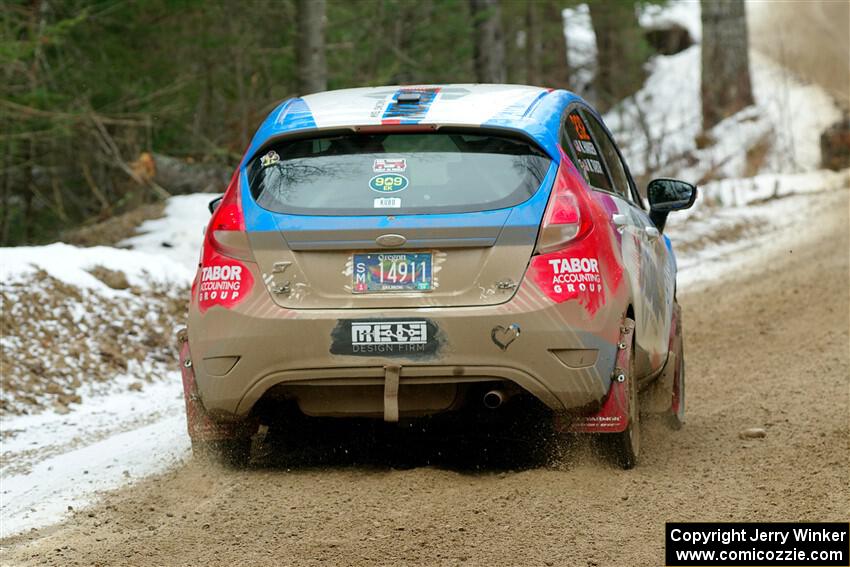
pixel 398 252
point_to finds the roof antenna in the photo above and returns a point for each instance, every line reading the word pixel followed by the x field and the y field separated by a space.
pixel 408 98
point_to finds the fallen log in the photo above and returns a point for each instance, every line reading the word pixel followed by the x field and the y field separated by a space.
pixel 180 176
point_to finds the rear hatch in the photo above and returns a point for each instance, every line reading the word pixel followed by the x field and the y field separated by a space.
pixel 395 219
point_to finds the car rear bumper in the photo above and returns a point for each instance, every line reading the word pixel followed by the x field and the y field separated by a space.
pixel 563 355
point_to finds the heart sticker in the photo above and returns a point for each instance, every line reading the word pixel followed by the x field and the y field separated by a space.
pixel 503 337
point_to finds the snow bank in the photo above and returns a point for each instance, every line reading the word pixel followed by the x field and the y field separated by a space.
pixel 659 129
pixel 54 461
pixel 73 265
pixel 177 236
pixel 91 396
pixel 74 316
pixel 734 222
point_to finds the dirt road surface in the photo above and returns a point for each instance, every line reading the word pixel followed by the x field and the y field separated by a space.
pixel 767 347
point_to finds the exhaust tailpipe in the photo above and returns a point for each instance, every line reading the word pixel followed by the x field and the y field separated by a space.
pixel 494 398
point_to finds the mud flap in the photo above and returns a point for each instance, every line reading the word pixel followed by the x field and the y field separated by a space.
pixel 391 376
pixel 662 396
pixel 200 425
pixel 613 416
pixel 673 370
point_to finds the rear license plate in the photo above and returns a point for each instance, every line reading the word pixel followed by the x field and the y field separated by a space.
pixel 392 272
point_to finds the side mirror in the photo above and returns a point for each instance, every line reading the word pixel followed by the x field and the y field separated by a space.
pixel 666 195
pixel 214 204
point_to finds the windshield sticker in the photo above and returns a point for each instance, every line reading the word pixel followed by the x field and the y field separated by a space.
pixel 389 165
pixel 270 158
pixel 388 183
pixel 387 203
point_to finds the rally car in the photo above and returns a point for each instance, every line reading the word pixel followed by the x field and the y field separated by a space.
pixel 399 252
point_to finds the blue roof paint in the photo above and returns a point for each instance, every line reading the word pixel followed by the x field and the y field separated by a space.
pixel 537 116
pixel 540 121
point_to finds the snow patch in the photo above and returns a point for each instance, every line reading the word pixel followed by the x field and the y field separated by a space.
pixel 72 265
pixel 581 48
pixel 90 370
pixel 659 129
pixel 734 223
pixel 178 235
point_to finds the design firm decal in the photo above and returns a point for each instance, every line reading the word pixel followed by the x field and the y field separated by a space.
pixel 388 337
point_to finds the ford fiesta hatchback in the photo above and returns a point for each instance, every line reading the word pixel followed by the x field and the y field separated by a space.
pixel 399 252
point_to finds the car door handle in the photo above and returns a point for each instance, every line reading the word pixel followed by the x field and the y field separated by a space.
pixel 652 233
pixel 620 220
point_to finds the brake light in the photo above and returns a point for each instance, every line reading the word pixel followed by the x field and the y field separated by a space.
pixel 228 215
pixel 566 217
pixel 226 231
pixel 222 280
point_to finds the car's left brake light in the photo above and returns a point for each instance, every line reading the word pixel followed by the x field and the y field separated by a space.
pixel 226 231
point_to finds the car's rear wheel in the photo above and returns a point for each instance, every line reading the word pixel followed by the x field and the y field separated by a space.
pixel 235 453
pixel 625 445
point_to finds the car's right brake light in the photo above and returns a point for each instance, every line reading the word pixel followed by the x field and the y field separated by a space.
pixel 566 217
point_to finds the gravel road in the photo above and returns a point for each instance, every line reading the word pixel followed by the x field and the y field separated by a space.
pixel 766 348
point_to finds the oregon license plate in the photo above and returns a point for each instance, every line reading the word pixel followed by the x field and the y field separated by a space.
pixel 392 272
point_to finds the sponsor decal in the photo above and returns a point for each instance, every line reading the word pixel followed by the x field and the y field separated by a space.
pixel 584 147
pixel 564 276
pixel 387 203
pixel 223 282
pixel 573 275
pixel 384 337
pixel 389 165
pixel 270 158
pixel 388 183
pixel 587 153
pixel 403 332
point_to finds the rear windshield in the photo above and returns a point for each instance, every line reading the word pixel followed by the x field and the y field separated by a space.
pixel 396 173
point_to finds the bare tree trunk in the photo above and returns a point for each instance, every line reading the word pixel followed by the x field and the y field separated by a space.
pixel 533 43
pixel 621 51
pixel 556 69
pixel 5 197
pixel 312 65
pixel 489 42
pixel 726 84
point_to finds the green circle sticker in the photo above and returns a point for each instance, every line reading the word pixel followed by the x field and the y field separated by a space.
pixel 388 183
